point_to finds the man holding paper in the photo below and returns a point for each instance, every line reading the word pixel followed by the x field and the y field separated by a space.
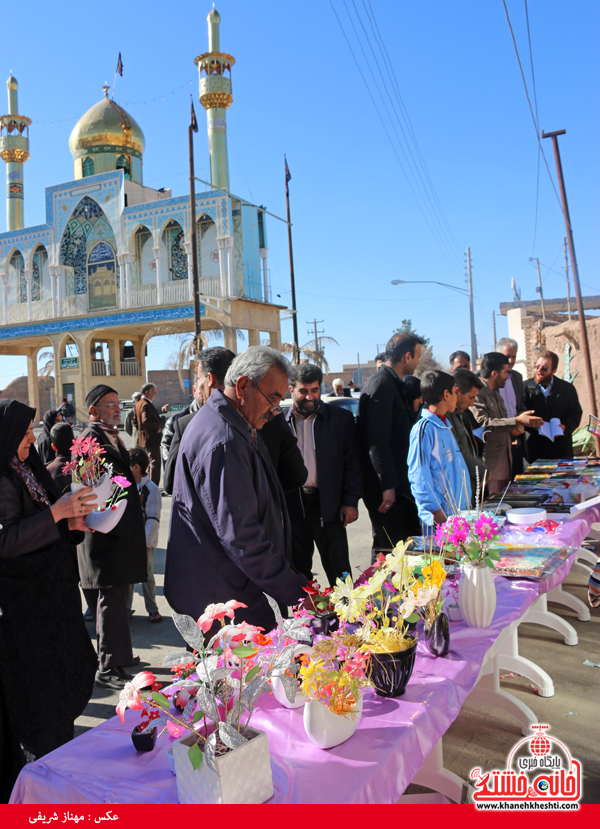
pixel 556 402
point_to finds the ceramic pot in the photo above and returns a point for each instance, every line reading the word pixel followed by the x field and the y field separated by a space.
pixel 244 774
pixel 437 635
pixel 477 595
pixel 106 520
pixel 277 685
pixel 326 729
pixel 102 489
pixel 390 672
pixel 324 623
pixel 144 740
pixel 454 612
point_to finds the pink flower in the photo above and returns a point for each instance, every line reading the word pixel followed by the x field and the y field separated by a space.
pixel 485 528
pixel 356 665
pixel 214 612
pixel 244 631
pixel 174 729
pixel 130 695
pixel 121 481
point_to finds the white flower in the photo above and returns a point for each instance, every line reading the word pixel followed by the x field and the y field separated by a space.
pixel 426 595
pixel 375 582
pixel 407 607
pixel 348 601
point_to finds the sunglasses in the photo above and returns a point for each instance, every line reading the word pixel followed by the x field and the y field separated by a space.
pixel 542 369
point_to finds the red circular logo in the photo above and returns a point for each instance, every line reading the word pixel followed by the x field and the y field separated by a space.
pixel 540 745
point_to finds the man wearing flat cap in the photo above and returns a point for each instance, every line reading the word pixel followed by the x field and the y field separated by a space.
pixel 110 562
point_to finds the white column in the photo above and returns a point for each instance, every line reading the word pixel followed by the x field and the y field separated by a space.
pixel 27 275
pixel 188 250
pixel 52 270
pixel 264 253
pixel 158 259
pixel 5 297
pixel 121 261
pixel 232 287
pixel 223 266
pixel 127 264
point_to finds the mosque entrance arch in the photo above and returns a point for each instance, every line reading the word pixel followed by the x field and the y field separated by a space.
pixel 102 277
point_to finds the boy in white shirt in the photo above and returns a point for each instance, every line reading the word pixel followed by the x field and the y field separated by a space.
pixel 151 500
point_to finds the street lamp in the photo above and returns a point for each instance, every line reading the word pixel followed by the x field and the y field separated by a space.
pixel 468 292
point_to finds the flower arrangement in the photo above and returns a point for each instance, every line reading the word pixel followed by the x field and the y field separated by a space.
pixel 119 485
pixel 87 466
pixel 470 541
pixel 335 673
pixel 321 599
pixel 232 671
pixel 427 591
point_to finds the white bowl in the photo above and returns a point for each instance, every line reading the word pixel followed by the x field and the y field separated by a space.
pixel 102 489
pixel 107 520
pixel 526 516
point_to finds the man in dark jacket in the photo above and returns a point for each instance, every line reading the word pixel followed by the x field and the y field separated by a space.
pixel 230 535
pixel 148 422
pixel 512 394
pixel 110 562
pixel 466 387
pixel 385 418
pixel 550 397
pixel 61 438
pixel 322 508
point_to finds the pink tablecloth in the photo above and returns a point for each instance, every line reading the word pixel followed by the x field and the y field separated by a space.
pixel 375 766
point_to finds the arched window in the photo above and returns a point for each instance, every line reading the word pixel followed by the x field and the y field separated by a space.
pixel 124 164
pixel 88 167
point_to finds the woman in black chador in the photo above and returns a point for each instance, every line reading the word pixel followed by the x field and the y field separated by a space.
pixel 49 653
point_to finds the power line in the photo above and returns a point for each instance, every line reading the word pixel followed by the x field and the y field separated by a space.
pixel 537 123
pixel 537 133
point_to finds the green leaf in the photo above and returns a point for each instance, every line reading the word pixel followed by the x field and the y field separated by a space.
pixel 474 556
pixel 195 756
pixel 472 547
pixel 244 650
pixel 414 617
pixel 251 674
pixel 161 700
pixel 494 555
pixel 489 563
pixel 322 604
pixel 197 716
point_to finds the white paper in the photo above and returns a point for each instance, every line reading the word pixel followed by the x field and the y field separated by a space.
pixel 552 429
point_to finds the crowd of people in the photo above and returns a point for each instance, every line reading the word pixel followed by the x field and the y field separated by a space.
pixel 254 489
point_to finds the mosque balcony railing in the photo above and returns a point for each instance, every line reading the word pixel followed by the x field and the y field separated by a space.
pixel 130 368
pixel 103 368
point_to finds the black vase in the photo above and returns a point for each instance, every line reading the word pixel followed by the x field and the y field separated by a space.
pixel 324 623
pixel 390 672
pixel 437 636
pixel 144 740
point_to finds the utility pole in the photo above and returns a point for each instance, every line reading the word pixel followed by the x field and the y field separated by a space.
pixel 472 312
pixel 584 337
pixel 567 275
pixel 194 240
pixel 359 369
pixel 292 279
pixel 539 290
pixel 494 329
pixel 314 323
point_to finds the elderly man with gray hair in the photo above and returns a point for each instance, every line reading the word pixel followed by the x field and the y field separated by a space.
pixel 230 534
pixel 513 397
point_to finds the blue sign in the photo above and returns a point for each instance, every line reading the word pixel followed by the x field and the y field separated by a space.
pixel 186 383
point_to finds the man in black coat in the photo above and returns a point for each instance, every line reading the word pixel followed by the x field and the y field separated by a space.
pixel 322 508
pixel 385 418
pixel 110 562
pixel 550 397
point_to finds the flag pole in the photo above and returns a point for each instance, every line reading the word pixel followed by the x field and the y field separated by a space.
pixel 119 71
pixel 193 127
pixel 296 353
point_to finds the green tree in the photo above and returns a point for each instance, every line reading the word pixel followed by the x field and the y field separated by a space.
pixel 407 328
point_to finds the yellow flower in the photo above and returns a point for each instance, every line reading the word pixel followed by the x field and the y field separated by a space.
pixel 435 574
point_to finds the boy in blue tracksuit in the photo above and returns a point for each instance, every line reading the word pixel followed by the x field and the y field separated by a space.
pixel 437 471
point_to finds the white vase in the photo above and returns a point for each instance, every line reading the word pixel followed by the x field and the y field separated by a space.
pixel 102 489
pixel 277 685
pixel 244 774
pixel 106 520
pixel 326 729
pixel 454 612
pixel 477 595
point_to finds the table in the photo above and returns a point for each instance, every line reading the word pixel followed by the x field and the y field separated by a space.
pixel 398 741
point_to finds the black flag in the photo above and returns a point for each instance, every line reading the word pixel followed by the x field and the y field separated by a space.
pixel 288 176
pixel 119 66
pixel 194 123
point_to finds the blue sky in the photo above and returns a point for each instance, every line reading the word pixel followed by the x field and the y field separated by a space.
pixel 297 90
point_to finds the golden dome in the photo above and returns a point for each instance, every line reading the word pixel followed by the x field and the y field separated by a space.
pixel 107 125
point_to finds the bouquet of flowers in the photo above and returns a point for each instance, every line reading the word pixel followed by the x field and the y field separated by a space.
pixel 470 541
pixel 335 673
pixel 427 590
pixel 87 466
pixel 232 671
pixel 119 485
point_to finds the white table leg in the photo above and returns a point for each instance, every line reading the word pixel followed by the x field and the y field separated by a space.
pixel 509 659
pixel 560 596
pixel 488 692
pixel 581 569
pixel 587 555
pixel 538 614
pixel 593 534
pixel 433 775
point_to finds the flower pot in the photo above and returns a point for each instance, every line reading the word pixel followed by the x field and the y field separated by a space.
pixel 477 595
pixel 454 612
pixel 324 623
pixel 277 685
pixel 390 672
pixel 244 774
pixel 437 635
pixel 102 489
pixel 326 729
pixel 103 521
pixel 144 740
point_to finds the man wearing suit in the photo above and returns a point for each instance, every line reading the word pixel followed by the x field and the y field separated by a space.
pixel 512 394
pixel 385 418
pixel 489 411
pixel 549 397
pixel 110 562
pixel 146 420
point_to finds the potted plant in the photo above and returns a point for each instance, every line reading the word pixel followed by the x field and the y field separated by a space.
pixel 89 468
pixel 322 616
pixel 429 601
pixel 470 542
pixel 379 606
pixel 332 679
pixel 106 517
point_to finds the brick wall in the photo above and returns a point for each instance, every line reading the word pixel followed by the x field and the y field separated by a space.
pixel 168 388
pixel 17 390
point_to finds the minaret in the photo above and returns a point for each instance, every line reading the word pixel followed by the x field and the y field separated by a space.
pixel 14 149
pixel 215 97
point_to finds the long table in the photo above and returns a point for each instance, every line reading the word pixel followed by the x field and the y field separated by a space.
pixel 398 741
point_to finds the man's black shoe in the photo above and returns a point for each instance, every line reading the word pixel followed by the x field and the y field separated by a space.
pixel 114 678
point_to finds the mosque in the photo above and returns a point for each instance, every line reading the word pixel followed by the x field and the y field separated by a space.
pixel 112 265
